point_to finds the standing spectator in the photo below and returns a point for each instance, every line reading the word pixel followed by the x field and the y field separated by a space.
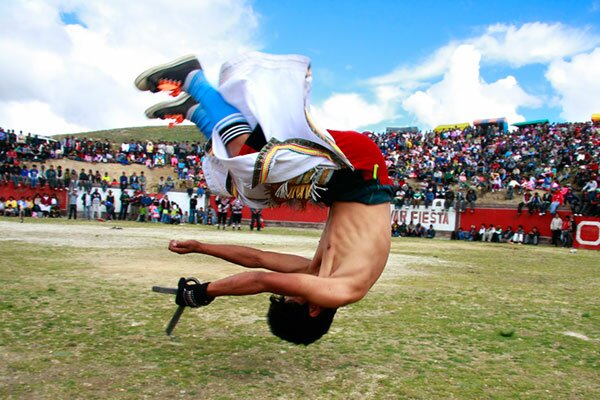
pixel 142 181
pixel 125 201
pixel 256 218
pixel 556 228
pixel 109 204
pixel 96 202
pixel 222 210
pixel 73 197
pixel 86 200
pixel 471 199
pixel 569 228
pixel 449 199
pixel 236 213
pixel 192 219
pixel 135 205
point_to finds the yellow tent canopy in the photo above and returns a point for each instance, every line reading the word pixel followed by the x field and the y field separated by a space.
pixel 595 117
pixel 441 128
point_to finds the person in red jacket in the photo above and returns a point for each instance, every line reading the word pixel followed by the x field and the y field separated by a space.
pixel 558 200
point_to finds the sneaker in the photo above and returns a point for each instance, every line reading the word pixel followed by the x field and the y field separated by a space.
pixel 168 77
pixel 175 110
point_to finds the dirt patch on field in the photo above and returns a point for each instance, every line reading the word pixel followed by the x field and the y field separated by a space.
pixel 139 253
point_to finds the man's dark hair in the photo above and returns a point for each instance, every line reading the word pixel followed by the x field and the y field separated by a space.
pixel 291 321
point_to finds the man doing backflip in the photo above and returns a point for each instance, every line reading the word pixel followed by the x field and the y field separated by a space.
pixel 266 151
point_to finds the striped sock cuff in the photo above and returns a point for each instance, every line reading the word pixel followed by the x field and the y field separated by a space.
pixel 232 126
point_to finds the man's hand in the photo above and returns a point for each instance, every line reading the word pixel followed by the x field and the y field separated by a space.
pixel 192 293
pixel 184 246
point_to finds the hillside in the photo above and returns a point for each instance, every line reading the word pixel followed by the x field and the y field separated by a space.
pixel 179 133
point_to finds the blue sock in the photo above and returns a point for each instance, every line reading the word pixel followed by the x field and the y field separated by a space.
pixel 202 121
pixel 230 123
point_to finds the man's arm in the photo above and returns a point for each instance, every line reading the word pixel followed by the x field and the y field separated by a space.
pixel 324 292
pixel 245 256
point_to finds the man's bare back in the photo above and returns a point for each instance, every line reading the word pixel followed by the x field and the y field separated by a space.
pixel 351 256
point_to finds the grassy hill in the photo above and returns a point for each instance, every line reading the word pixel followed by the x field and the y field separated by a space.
pixel 179 133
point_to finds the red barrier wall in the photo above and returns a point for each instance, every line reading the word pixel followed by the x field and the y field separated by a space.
pixel 312 213
pixel 588 228
pixel 9 190
pixel 505 217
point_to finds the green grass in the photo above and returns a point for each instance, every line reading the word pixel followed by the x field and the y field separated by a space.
pixel 179 133
pixel 471 321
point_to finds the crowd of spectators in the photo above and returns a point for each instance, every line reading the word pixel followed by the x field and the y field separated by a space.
pixel 560 159
pixel 546 165
pixel 23 161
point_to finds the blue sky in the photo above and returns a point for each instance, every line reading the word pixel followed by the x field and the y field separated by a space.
pixel 70 63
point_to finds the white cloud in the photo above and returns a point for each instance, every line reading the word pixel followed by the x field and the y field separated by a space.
pixel 447 86
pixel 578 85
pixel 463 96
pixel 82 78
pixel 347 111
pixel 534 42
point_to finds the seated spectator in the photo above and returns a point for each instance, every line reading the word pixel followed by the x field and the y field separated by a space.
pixel 497 235
pixel 11 207
pixel 480 237
pixel 525 201
pixel 411 230
pixel 535 203
pixel 519 236
pixel 430 233
pixel 489 233
pixel 545 202
pixel 507 235
pixel 533 236
pixel 395 228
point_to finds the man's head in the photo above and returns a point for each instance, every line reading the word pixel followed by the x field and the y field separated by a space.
pixel 292 321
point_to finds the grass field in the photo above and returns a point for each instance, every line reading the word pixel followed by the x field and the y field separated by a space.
pixel 446 320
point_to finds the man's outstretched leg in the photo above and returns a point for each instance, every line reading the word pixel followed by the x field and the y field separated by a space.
pixel 210 113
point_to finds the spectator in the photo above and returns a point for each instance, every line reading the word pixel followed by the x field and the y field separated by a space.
pixel 519 236
pixel 222 210
pixel 556 228
pixel 533 236
pixel 96 202
pixel 430 233
pixel 489 233
pixel 569 227
pixel 73 197
pixel 471 199
pixel 524 202
pixel 236 213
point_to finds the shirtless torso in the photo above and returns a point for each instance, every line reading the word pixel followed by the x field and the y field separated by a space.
pixel 351 256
